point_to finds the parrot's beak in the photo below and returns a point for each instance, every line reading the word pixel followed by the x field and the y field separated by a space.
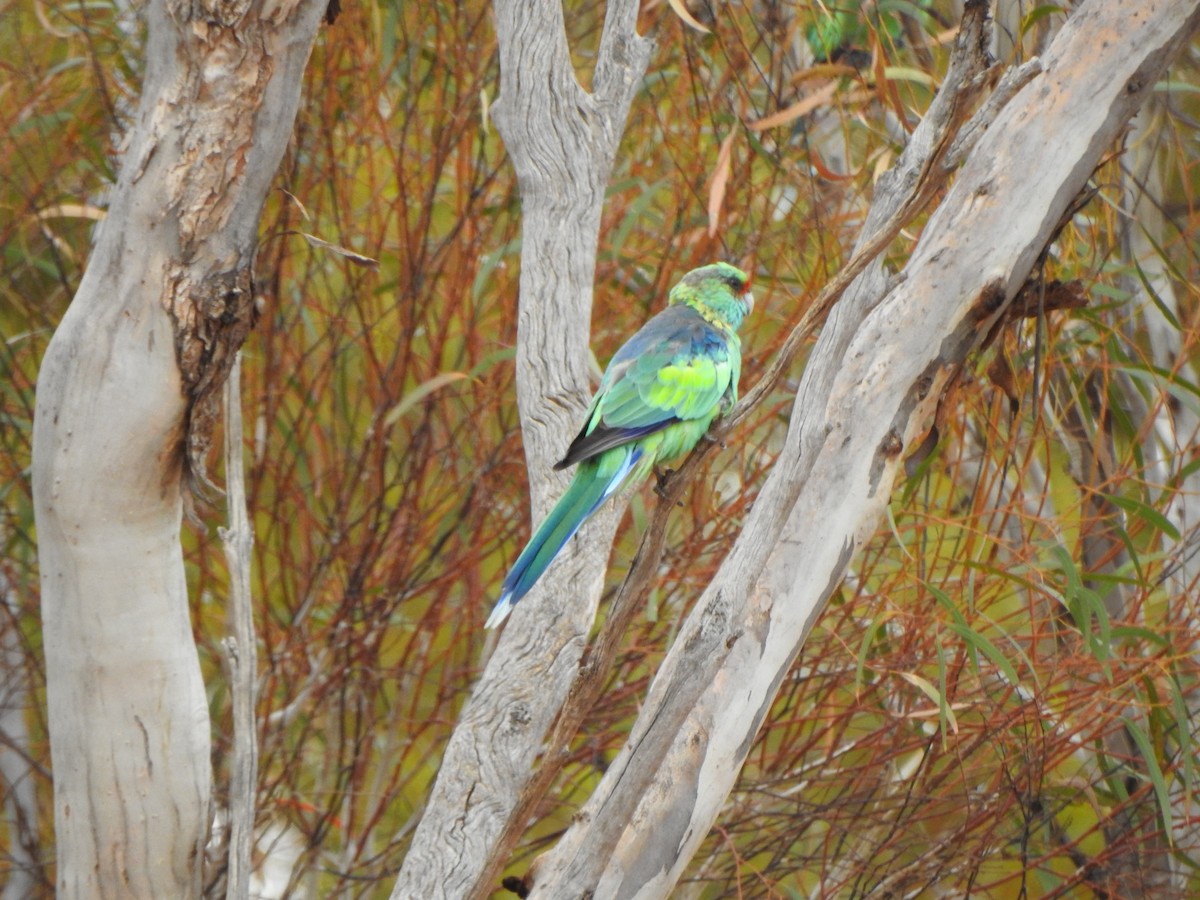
pixel 748 299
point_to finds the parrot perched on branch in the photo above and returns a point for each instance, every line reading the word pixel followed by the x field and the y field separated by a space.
pixel 656 400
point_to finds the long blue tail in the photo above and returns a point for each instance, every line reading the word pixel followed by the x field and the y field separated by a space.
pixel 595 481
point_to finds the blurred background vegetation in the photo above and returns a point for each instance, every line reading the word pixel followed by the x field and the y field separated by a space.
pixel 999 699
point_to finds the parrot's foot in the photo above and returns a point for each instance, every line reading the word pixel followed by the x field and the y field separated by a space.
pixel 709 438
pixel 661 477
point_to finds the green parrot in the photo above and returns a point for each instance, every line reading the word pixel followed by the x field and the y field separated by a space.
pixel 657 398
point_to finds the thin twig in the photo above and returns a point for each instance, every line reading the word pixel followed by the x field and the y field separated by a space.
pixel 241 657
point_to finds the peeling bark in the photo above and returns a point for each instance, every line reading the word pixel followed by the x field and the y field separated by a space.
pixel 125 395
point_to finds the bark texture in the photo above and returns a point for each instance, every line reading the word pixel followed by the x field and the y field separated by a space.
pixel 868 394
pixel 126 387
pixel 562 141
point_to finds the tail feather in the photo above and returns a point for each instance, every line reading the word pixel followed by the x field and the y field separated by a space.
pixel 594 482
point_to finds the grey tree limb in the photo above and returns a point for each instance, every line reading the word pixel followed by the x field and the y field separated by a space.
pixel 562 141
pixel 241 648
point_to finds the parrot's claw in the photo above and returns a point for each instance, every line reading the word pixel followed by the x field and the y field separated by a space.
pixel 661 477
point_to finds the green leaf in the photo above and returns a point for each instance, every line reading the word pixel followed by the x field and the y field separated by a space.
pixel 927 688
pixel 504 354
pixel 1154 298
pixel 1038 13
pixel 419 393
pixel 976 641
pixel 1147 514
pixel 905 73
pixel 1155 773
pixel 1087 609
pixel 896 532
pixel 1183 734
pixel 1135 632
pixel 864 647
pixel 1168 86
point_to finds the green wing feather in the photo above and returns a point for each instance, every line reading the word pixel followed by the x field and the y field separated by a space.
pixel 677 368
pixel 677 385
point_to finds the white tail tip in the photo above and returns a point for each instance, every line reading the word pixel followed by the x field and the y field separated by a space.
pixel 499 614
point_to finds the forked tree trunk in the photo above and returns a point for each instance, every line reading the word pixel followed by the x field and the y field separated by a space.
pixel 562 141
pixel 127 388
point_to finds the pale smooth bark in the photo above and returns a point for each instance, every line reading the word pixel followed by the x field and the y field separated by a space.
pixel 869 393
pixel 127 383
pixel 241 649
pixel 562 141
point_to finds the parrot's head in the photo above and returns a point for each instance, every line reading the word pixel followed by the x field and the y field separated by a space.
pixel 719 292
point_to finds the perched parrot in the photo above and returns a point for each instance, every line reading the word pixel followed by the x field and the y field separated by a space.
pixel 657 398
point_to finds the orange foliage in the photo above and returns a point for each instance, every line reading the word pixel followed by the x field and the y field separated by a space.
pixel 387 489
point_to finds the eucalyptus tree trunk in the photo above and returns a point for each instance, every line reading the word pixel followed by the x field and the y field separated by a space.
pixel 562 141
pixel 868 396
pixel 125 397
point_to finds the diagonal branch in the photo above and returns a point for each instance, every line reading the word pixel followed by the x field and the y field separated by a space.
pixel 869 391
pixel 921 168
